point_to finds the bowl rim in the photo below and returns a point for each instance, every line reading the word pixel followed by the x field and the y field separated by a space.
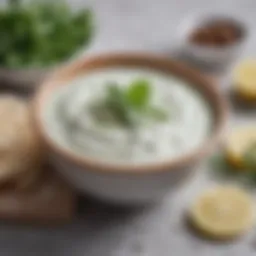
pixel 139 59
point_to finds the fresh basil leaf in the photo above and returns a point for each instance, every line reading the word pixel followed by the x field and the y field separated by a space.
pixel 138 94
pixel 157 113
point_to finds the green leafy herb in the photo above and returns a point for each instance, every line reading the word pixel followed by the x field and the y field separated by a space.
pixel 117 104
pixel 41 33
pixel 138 94
pixel 130 105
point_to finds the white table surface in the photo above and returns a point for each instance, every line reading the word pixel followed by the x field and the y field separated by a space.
pixel 160 230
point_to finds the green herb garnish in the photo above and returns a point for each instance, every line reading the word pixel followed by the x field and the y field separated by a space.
pixel 157 113
pixel 246 175
pixel 138 94
pixel 118 106
pixel 41 33
pixel 130 105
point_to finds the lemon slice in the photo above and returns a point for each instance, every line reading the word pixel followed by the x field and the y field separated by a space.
pixel 238 142
pixel 245 80
pixel 223 212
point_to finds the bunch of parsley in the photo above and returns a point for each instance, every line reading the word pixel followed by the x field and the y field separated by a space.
pixel 42 33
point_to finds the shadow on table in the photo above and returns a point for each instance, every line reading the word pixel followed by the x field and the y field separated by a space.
pixel 241 106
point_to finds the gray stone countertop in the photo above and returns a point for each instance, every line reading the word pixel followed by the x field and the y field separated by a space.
pixel 101 230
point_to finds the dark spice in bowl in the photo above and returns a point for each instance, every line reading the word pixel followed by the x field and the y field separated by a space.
pixel 217 34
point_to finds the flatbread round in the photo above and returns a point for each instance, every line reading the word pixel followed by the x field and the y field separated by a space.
pixel 20 148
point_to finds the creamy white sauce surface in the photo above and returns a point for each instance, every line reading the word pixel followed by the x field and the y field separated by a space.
pixel 68 121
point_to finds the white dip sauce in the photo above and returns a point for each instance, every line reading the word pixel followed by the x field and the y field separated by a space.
pixel 68 120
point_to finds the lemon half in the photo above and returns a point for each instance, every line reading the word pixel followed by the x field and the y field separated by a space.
pixel 245 80
pixel 223 212
pixel 238 142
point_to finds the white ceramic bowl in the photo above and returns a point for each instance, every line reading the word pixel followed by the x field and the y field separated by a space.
pixel 208 55
pixel 127 183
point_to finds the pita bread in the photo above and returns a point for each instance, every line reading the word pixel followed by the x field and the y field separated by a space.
pixel 20 148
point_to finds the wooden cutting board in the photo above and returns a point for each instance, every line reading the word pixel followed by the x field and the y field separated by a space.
pixel 51 201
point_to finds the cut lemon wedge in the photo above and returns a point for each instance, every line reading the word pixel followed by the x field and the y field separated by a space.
pixel 223 212
pixel 245 80
pixel 238 142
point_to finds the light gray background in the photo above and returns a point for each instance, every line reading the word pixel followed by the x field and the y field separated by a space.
pixel 160 230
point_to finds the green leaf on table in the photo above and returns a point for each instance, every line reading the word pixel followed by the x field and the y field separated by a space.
pixel 250 157
pixel 138 94
pixel 221 167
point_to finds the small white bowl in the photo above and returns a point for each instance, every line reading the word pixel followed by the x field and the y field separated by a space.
pixel 209 55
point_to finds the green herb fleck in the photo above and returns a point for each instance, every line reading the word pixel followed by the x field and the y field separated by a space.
pixel 117 104
pixel 138 94
pixel 157 113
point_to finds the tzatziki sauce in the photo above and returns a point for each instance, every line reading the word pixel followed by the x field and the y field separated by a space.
pixel 69 122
